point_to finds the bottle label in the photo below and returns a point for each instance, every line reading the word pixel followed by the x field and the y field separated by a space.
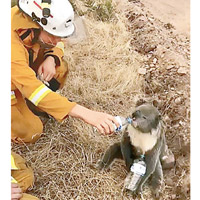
pixel 120 122
pixel 138 169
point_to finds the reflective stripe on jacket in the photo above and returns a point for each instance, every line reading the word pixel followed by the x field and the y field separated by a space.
pixel 13 167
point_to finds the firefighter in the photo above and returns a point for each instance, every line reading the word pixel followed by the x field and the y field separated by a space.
pixel 37 69
pixel 21 178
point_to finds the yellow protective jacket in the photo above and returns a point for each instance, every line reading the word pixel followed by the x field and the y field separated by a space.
pixel 23 78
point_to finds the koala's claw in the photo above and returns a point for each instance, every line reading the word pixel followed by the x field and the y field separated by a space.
pixel 156 193
pixel 168 162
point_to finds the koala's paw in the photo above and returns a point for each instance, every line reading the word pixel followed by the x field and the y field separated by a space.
pixel 156 193
pixel 157 189
pixel 137 194
pixel 139 190
pixel 130 193
pixel 168 161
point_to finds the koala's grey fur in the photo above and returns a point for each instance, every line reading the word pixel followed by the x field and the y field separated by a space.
pixel 144 136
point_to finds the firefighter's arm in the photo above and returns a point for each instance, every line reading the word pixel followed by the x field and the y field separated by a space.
pixel 57 53
pixel 23 77
pixel 52 59
pixel 102 121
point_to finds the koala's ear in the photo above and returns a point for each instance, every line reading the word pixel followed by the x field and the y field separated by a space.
pixel 155 103
pixel 140 102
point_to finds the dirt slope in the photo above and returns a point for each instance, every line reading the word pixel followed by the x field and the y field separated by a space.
pixel 176 12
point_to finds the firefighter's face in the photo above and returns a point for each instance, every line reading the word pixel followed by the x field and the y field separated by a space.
pixel 48 39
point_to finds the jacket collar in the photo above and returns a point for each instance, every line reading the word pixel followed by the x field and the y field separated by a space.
pixel 20 20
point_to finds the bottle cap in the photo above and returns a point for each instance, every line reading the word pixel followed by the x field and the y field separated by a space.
pixel 129 120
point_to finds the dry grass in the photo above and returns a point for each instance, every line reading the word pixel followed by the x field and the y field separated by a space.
pixel 103 76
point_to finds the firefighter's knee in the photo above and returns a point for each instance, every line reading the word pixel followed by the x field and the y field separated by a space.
pixel 27 131
pixel 31 135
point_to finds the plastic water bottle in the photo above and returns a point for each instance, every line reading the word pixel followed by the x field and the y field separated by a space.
pixel 123 123
pixel 137 171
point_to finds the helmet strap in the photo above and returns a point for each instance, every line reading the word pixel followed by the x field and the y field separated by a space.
pixel 34 17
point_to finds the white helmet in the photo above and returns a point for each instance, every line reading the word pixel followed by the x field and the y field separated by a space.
pixel 54 16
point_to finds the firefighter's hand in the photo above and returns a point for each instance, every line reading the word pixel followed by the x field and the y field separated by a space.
pixel 102 121
pixel 47 69
pixel 16 192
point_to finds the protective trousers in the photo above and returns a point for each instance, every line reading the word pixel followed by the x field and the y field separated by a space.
pixel 23 176
pixel 25 126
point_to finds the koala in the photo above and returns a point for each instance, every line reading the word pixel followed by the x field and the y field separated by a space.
pixel 144 136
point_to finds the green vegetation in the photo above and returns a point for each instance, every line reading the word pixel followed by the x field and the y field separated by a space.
pixel 101 11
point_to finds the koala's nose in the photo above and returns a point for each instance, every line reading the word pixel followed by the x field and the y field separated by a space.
pixel 134 124
pixel 133 116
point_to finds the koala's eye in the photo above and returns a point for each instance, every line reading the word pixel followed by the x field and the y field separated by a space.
pixel 137 112
pixel 144 117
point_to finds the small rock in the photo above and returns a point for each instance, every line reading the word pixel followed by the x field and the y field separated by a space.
pixel 182 70
pixel 149 55
pixel 142 71
pixel 173 196
pixel 155 60
pixel 152 65
pixel 168 26
pixel 170 66
pixel 150 48
pixel 140 22
pixel 182 123
pixel 176 126
pixel 180 92
pixel 150 19
pixel 178 100
pixel 167 119
pixel 169 181
pixel 151 69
